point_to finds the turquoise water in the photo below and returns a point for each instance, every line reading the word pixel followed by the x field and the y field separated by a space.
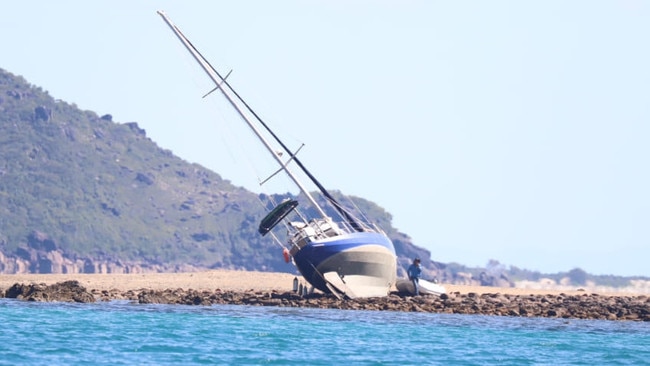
pixel 119 333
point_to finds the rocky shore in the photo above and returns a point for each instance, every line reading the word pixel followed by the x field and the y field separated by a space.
pixel 583 306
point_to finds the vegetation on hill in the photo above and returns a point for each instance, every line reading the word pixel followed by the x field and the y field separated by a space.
pixel 103 190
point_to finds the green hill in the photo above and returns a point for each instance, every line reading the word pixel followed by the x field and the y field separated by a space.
pixel 96 191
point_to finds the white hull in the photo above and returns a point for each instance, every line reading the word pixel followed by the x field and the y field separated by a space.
pixel 365 271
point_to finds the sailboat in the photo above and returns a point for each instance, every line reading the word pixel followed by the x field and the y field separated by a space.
pixel 351 258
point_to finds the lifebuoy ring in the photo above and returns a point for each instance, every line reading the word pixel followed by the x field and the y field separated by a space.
pixel 286 255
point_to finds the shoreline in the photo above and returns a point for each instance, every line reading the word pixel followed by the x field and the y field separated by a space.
pixel 276 289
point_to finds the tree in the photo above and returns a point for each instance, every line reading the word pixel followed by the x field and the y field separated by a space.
pixel 578 276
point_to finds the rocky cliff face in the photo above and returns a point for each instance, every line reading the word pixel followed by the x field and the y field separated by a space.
pixel 30 260
pixel 54 261
pixel 41 255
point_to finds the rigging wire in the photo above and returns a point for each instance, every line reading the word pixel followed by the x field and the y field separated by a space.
pixel 229 136
pixel 346 214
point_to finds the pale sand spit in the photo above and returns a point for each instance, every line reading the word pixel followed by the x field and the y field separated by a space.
pixel 226 280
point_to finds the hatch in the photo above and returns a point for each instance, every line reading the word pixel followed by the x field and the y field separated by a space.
pixel 276 215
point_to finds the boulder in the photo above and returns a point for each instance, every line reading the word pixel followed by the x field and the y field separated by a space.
pixel 68 291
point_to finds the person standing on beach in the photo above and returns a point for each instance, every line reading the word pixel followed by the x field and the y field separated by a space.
pixel 414 272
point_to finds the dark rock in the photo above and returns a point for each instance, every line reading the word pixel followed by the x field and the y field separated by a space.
pixel 202 237
pixel 593 306
pixel 133 126
pixel 145 178
pixel 14 94
pixel 68 291
pixel 110 209
pixel 26 253
pixel 40 241
pixel 43 113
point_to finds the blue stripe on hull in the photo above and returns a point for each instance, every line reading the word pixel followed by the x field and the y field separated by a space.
pixel 332 252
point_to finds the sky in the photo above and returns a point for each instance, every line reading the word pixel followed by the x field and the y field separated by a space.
pixel 490 130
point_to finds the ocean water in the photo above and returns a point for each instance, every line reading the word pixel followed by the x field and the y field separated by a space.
pixel 123 333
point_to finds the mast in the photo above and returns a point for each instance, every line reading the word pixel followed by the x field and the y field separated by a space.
pixel 220 81
pixel 346 215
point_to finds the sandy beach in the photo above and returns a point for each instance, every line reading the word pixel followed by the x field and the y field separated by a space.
pixel 226 280
pixel 208 280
